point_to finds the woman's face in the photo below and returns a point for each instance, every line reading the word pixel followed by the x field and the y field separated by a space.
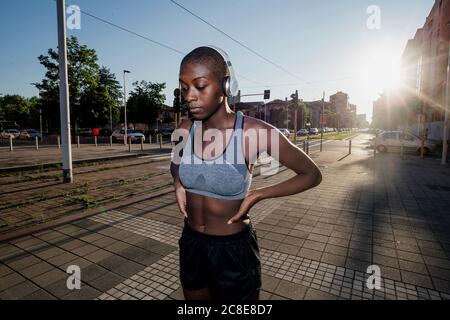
pixel 201 89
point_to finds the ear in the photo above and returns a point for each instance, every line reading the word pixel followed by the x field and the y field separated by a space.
pixel 227 86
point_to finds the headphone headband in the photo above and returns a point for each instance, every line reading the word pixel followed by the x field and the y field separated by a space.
pixel 233 86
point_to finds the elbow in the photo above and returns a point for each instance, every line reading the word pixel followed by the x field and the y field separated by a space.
pixel 317 178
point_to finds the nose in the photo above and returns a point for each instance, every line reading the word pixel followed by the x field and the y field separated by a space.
pixel 189 95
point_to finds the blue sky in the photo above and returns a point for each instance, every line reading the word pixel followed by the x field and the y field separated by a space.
pixel 324 42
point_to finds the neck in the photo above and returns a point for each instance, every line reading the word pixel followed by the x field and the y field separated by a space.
pixel 220 119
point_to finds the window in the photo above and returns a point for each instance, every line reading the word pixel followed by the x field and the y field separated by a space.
pixel 390 135
pixel 406 137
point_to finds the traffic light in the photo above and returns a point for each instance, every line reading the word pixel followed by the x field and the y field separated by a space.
pixel 177 106
pixel 266 94
pixel 177 100
pixel 294 97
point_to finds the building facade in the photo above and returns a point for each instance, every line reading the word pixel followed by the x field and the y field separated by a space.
pixel 424 72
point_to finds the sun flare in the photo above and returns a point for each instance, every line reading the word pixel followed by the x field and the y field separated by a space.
pixel 380 71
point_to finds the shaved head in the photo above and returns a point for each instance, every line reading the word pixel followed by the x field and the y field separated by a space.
pixel 210 57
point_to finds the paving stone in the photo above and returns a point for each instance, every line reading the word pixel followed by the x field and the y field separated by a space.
pixel 356 264
pixel 442 285
pixel 49 277
pixel 37 269
pixel 18 291
pixel 85 293
pixel 416 279
pixel 62 259
pixel 99 255
pixel 391 273
pixel 385 261
pixel 48 252
pixel 413 267
pixel 92 272
pixel 290 290
pixel 59 288
pixel 314 245
pixel 128 269
pixel 106 281
pixel 310 254
pixel 72 244
pixel 39 295
pixel 85 250
pixel 11 280
pixel 21 263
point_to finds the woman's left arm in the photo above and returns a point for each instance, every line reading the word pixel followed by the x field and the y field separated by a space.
pixel 307 176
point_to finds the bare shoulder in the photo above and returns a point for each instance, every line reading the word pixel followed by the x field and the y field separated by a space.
pixel 186 123
pixel 253 123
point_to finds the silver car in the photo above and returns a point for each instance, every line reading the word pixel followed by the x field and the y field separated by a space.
pixel 119 135
pixel 394 140
pixel 285 131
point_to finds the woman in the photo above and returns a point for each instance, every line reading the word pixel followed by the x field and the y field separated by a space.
pixel 219 254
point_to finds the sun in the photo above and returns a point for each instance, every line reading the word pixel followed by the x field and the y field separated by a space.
pixel 380 71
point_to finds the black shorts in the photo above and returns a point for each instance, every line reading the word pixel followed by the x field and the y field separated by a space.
pixel 228 265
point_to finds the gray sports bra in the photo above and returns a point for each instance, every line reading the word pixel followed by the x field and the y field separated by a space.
pixel 225 177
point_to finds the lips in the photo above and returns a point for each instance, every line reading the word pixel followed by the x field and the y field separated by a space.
pixel 195 109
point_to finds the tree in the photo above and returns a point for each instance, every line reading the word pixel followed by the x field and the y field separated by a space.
pixel 108 80
pixel 22 110
pixel 145 102
pixel 304 113
pixel 86 79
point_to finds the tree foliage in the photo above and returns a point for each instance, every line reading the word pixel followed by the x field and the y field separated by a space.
pixel 145 102
pixel 94 91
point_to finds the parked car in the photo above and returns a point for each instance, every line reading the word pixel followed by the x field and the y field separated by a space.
pixel 285 131
pixel 14 133
pixel 302 132
pixel 313 131
pixel 393 140
pixel 118 135
pixel 105 132
pixel 29 134
pixel 166 132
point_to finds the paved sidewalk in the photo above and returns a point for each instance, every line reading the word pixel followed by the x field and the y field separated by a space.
pixel 381 211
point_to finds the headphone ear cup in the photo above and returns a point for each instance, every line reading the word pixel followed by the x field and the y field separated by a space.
pixel 226 86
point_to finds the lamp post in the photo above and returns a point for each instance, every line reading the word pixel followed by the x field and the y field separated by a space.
pixel 125 106
pixel 64 107
pixel 446 105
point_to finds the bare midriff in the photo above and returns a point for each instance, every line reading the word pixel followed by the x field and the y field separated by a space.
pixel 210 215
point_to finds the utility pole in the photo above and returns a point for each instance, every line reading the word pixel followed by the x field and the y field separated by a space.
pixel 110 117
pixel 446 105
pixel 125 106
pixel 295 98
pixel 64 92
pixel 287 113
pixel 40 123
pixel 321 120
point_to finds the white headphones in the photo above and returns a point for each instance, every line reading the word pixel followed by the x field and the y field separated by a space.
pixel 230 84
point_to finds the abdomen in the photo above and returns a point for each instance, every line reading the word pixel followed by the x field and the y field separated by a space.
pixel 211 215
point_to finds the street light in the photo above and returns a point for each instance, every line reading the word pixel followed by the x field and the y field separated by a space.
pixel 125 105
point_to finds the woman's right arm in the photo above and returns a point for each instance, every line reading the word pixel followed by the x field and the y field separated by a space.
pixel 180 192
